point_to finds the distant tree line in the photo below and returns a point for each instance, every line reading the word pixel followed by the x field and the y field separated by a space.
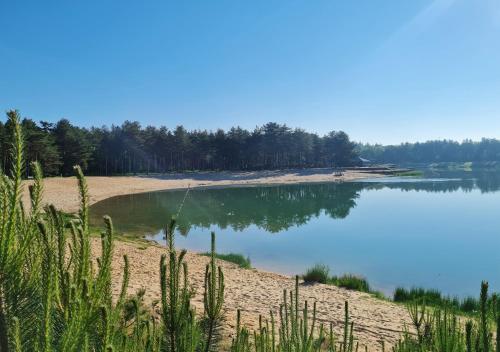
pixel 433 151
pixel 130 148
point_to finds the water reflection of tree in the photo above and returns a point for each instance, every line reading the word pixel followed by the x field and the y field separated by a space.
pixel 487 181
pixel 273 209
pixel 449 181
pixel 427 186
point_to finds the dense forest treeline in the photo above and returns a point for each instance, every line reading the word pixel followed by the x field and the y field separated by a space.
pixel 130 148
pixel 433 152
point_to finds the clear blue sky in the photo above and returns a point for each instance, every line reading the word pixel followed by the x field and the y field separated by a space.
pixel 383 71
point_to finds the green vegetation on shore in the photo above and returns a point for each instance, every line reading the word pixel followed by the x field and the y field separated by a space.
pixel 55 296
pixel 352 282
pixel 434 298
pixel 242 261
pixel 320 273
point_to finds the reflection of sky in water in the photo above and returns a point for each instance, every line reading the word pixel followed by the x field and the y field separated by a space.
pixel 444 236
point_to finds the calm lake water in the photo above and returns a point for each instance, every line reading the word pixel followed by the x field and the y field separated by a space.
pixel 441 231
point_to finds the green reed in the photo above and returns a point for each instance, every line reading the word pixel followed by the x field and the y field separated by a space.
pixel 319 273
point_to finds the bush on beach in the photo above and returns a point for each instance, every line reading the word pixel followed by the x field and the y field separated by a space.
pixel 352 282
pixel 319 273
pixel 242 261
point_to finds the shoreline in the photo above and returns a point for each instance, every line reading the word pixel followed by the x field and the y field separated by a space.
pixel 255 292
pixel 63 191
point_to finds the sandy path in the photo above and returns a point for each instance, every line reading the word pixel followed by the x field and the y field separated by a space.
pixel 63 192
pixel 256 292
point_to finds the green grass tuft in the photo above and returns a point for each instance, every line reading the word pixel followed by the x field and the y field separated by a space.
pixel 242 261
pixel 320 273
pixel 352 282
pixel 317 274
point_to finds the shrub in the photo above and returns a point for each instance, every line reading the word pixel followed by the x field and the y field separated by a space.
pixel 352 282
pixel 318 273
pixel 235 258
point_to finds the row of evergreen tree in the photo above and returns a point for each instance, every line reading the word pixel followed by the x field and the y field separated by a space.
pixel 130 148
pixel 485 150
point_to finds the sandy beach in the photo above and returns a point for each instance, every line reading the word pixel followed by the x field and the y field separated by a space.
pixel 254 292
pixel 257 292
pixel 63 191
